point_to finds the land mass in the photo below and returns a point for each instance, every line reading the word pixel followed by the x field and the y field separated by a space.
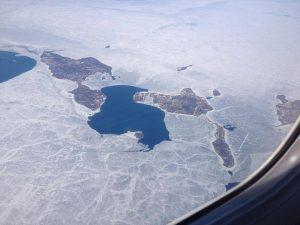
pixel 287 111
pixel 222 148
pixel 187 102
pixel 91 99
pixel 73 69
pixel 78 70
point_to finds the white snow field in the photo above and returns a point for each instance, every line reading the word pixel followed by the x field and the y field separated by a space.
pixel 55 170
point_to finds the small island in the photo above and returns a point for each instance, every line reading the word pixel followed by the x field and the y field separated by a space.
pixel 287 111
pixel 229 127
pixel 216 93
pixel 282 98
pixel 222 148
pixel 181 68
pixel 139 134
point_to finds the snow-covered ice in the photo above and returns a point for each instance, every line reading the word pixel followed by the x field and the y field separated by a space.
pixel 54 169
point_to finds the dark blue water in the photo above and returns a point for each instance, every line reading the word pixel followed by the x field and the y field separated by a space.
pixel 231 185
pixel 229 127
pixel 120 114
pixel 12 65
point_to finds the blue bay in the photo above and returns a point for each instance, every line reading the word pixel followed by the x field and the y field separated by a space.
pixel 120 114
pixel 12 65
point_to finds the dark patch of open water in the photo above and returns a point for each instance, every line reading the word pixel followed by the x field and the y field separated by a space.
pixel 12 65
pixel 120 114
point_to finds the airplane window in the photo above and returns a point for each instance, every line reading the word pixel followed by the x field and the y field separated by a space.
pixel 139 111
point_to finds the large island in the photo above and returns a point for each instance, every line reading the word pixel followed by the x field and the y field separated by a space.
pixel 78 70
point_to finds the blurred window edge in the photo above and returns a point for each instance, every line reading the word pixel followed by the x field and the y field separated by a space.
pixel 290 144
